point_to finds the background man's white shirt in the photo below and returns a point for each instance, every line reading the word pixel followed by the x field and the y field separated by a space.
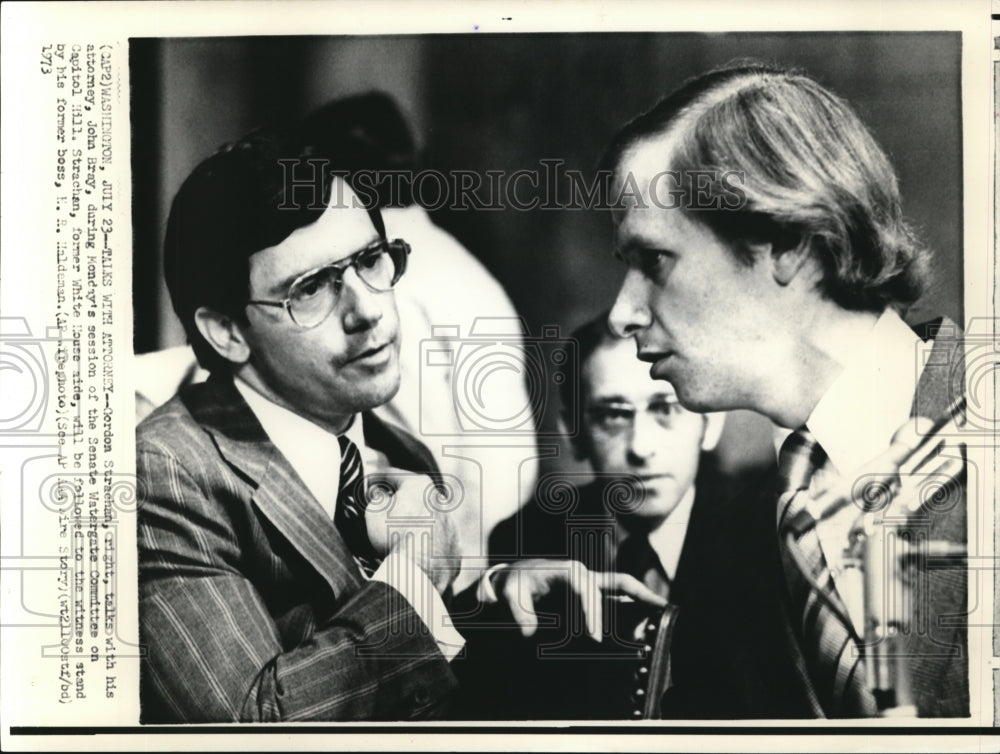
pixel 667 539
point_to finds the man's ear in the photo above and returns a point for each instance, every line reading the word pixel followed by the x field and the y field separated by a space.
pixel 714 424
pixel 786 255
pixel 223 334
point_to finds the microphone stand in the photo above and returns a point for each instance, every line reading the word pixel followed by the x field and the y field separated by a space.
pixel 891 560
pixel 885 623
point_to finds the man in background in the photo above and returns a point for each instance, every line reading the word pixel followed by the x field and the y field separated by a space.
pixel 646 513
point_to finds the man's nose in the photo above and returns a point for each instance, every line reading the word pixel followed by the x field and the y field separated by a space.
pixel 362 306
pixel 630 314
pixel 644 439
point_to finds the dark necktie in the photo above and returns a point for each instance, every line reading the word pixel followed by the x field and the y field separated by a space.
pixel 831 651
pixel 637 557
pixel 349 515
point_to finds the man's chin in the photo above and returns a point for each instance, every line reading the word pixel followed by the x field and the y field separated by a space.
pixel 697 401
pixel 382 388
pixel 369 393
pixel 658 503
pixel 686 386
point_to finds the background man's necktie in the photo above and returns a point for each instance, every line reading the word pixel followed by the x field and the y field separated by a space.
pixel 637 557
pixel 832 656
pixel 349 515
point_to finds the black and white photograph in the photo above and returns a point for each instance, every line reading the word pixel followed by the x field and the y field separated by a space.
pixel 628 378
pixel 471 171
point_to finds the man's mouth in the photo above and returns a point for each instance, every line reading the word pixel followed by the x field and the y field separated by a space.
pixel 660 361
pixel 370 355
pixel 644 478
pixel 653 356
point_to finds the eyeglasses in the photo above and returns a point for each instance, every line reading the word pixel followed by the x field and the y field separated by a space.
pixel 313 296
pixel 615 417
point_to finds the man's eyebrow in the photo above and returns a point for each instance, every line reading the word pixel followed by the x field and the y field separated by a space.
pixel 609 399
pixel 662 396
pixel 281 287
pixel 612 399
pixel 657 246
pixel 639 243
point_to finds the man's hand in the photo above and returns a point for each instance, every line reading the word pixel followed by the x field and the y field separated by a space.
pixel 406 515
pixel 524 583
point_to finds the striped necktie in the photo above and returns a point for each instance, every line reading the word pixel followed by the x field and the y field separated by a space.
pixel 349 515
pixel 828 642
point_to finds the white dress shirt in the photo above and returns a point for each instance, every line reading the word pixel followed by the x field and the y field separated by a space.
pixel 667 539
pixel 314 453
pixel 854 422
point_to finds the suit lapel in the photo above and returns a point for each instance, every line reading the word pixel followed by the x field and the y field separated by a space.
pixel 278 492
pixel 402 450
pixel 943 378
pixel 285 501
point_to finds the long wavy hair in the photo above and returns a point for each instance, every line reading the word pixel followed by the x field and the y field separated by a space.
pixel 810 172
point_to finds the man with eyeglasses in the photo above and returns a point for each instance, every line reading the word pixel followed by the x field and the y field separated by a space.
pixel 369 132
pixel 295 551
pixel 638 515
pixel 255 596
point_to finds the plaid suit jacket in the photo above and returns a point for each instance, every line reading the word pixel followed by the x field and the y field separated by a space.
pixel 251 607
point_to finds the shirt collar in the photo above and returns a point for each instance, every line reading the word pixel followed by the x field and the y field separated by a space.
pixel 355 432
pixel 870 399
pixel 312 451
pixel 667 539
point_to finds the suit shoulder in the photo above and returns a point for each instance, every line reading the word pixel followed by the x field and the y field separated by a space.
pixel 171 430
pixel 180 468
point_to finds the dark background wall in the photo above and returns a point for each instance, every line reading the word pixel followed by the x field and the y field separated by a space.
pixel 505 102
